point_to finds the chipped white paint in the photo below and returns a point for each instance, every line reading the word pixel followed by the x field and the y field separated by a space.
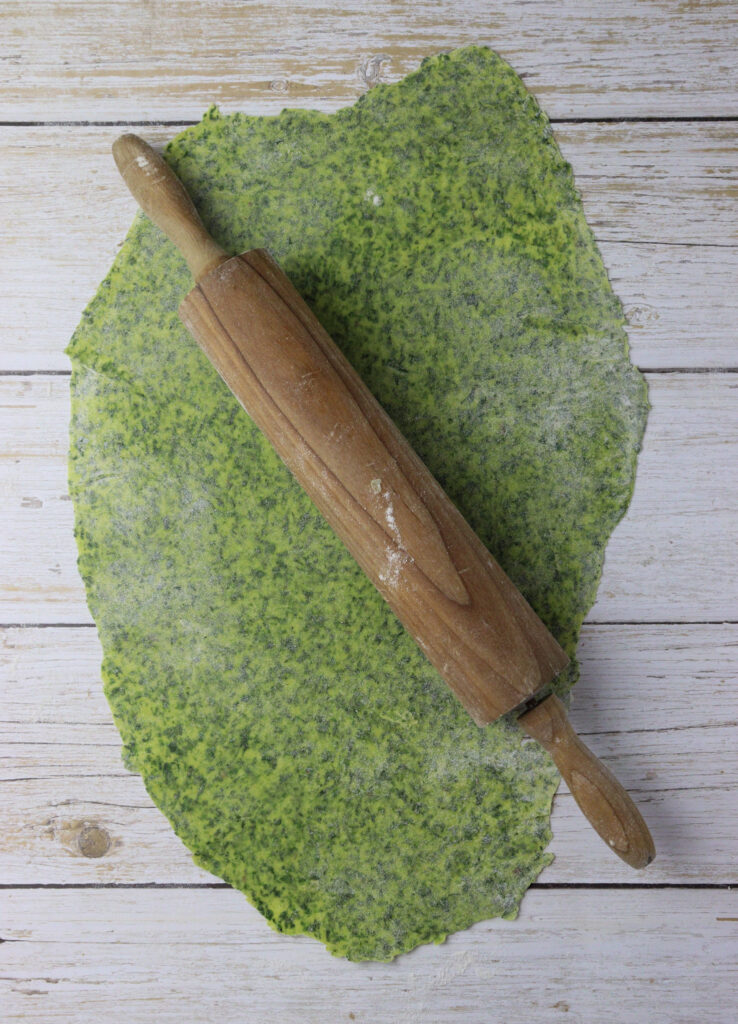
pixel 665 562
pixel 653 700
pixel 371 71
pixel 665 957
pixel 147 59
pixel 643 185
pixel 59 737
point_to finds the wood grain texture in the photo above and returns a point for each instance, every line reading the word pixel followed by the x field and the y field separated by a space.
pixel 670 559
pixel 666 956
pixel 62 770
pixel 660 224
pixel 608 807
pixel 570 956
pixel 377 495
pixel 163 198
pixel 464 613
pixel 151 59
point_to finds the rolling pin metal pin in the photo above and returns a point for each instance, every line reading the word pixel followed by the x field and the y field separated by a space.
pixel 405 533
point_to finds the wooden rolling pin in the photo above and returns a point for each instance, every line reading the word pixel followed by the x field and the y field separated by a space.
pixel 392 515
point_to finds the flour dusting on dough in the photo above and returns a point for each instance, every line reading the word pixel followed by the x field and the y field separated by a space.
pixel 298 740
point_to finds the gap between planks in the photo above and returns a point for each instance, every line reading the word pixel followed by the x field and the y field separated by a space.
pixel 547 886
pixel 666 561
pixel 54 676
pixel 644 370
pixel 166 60
pixel 663 956
pixel 659 198
pixel 82 123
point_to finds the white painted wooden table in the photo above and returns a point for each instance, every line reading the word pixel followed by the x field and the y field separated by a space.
pixel 644 98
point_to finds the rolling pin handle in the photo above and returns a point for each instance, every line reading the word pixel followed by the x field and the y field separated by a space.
pixel 164 199
pixel 601 798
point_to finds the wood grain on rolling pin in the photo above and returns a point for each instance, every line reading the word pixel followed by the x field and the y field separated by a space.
pixel 377 495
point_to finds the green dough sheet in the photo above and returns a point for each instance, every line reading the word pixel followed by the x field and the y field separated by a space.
pixel 288 727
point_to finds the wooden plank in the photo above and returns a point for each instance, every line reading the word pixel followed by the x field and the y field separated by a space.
pixel 670 183
pixel 573 955
pixel 680 301
pixel 653 700
pixel 667 561
pixel 643 186
pixel 168 59
pixel 661 956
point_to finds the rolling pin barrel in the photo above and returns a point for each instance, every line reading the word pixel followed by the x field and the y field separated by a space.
pixel 381 500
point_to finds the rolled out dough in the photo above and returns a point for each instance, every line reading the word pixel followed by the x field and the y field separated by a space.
pixel 293 734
